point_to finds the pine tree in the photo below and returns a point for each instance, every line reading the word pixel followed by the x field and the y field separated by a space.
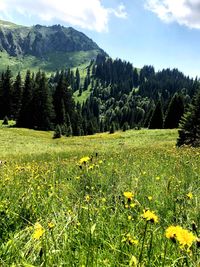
pixel 174 112
pixel 17 96
pixel 69 131
pixel 6 94
pixel 156 121
pixel 60 99
pixel 135 78
pixel 77 80
pixel 189 133
pixel 25 118
pixel 44 106
pixel 90 128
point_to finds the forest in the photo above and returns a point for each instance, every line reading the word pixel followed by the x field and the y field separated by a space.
pixel 121 97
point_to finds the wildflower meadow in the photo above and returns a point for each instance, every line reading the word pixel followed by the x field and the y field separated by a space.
pixel 124 199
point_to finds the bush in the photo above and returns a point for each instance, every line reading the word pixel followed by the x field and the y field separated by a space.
pixel 57 132
pixel 112 128
pixel 5 121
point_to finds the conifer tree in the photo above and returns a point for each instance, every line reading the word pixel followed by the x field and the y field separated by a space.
pixel 43 111
pixel 174 112
pixel 156 121
pixel 6 94
pixel 59 100
pixel 17 96
pixel 189 133
pixel 77 80
pixel 25 118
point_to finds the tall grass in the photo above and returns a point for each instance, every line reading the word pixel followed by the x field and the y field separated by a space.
pixel 56 210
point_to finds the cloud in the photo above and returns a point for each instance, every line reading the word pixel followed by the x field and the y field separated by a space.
pixel 185 12
pixel 88 14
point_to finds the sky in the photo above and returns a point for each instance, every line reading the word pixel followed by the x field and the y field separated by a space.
pixel 162 33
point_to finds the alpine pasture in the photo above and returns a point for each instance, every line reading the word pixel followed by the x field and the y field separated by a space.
pixel 124 199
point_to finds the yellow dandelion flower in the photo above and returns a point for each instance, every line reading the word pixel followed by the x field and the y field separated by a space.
pixel 84 160
pixel 172 231
pixel 150 216
pixel 189 195
pixel 150 198
pixel 128 195
pixel 183 236
pixel 132 205
pixel 129 217
pixel 38 231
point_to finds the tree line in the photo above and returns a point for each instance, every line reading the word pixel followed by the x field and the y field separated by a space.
pixel 121 97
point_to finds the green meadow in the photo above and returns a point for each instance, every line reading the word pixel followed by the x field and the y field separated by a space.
pixel 124 199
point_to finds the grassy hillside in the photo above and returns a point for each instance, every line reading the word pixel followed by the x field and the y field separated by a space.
pixel 59 210
pixel 50 63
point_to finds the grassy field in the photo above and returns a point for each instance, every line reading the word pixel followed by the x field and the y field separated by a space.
pixel 49 63
pixel 102 200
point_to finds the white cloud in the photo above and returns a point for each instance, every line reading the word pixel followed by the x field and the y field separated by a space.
pixel 89 14
pixel 185 12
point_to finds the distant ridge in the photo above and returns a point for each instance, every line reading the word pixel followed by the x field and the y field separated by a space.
pixel 43 46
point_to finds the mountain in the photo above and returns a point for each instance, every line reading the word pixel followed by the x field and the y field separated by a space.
pixel 46 48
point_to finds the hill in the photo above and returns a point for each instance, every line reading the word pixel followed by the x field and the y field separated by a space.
pixel 46 48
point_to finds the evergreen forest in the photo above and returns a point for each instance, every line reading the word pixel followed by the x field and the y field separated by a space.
pixel 120 97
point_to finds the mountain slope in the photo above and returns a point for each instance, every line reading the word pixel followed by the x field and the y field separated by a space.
pixel 47 48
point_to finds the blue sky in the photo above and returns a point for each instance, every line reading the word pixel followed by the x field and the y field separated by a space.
pixel 162 33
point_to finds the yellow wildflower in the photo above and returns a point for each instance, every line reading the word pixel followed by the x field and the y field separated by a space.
pixel 172 231
pixel 129 217
pixel 128 195
pixel 150 216
pixel 190 195
pixel 84 160
pixel 132 205
pixel 38 231
pixel 150 198
pixel 183 236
